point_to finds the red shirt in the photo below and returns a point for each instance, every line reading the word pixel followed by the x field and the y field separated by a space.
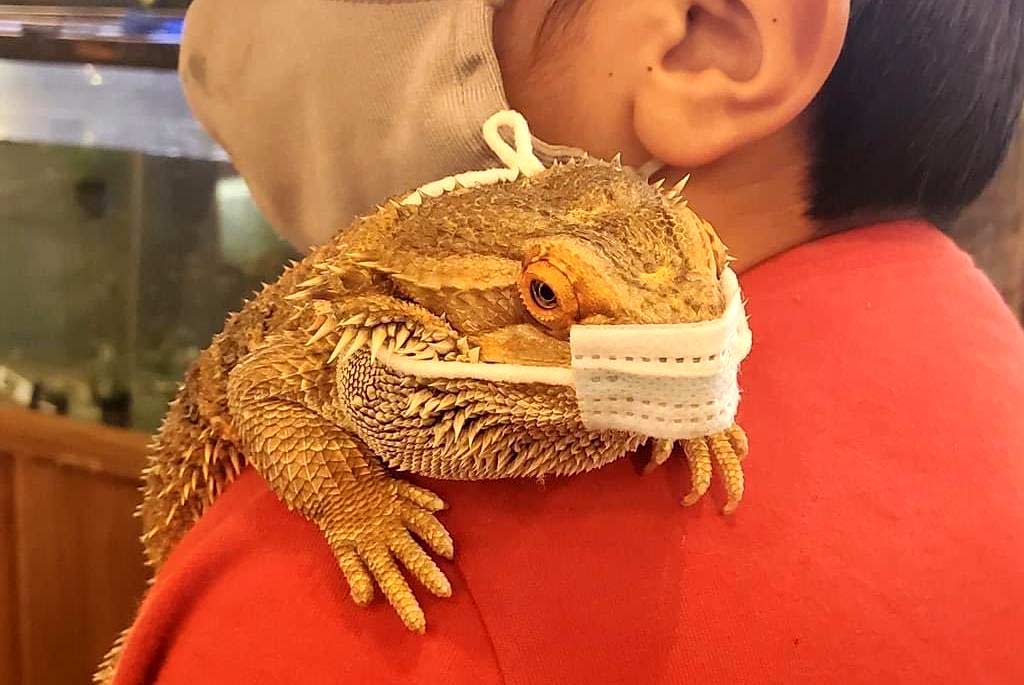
pixel 881 538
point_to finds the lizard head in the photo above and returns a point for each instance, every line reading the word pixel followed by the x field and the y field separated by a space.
pixel 514 266
pixel 452 316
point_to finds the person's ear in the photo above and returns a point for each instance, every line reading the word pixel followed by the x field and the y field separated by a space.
pixel 730 72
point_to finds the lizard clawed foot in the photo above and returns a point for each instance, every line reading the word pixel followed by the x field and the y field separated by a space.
pixel 372 541
pixel 728 448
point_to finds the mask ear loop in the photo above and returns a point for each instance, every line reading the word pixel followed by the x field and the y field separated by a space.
pixel 521 157
pixel 518 160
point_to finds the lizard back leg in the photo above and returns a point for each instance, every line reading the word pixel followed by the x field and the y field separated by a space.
pixel 191 460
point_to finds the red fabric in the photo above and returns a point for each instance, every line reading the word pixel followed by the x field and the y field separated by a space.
pixel 881 538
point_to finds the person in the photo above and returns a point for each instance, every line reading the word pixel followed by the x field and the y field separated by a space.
pixel 881 538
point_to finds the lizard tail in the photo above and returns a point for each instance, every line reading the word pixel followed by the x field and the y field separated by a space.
pixel 105 674
pixel 191 461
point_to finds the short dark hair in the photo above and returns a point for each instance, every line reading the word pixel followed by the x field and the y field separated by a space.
pixel 920 109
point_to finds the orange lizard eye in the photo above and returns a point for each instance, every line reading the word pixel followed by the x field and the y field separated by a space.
pixel 548 295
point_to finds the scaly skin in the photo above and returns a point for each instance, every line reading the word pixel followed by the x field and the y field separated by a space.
pixel 294 385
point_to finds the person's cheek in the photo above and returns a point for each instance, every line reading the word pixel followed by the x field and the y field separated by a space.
pixel 577 87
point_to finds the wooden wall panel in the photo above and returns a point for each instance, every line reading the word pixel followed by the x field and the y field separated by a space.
pixel 9 654
pixel 78 571
pixel 80 567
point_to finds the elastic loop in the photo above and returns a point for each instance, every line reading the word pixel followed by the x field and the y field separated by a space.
pixel 521 157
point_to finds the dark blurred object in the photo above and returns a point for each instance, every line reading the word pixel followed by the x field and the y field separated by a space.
pixel 91 195
pixel 116 408
pixel 47 401
pixel 101 35
pixel 110 389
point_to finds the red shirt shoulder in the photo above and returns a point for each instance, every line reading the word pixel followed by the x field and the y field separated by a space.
pixel 881 538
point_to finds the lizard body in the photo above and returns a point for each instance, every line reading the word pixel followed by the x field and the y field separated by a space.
pixel 296 384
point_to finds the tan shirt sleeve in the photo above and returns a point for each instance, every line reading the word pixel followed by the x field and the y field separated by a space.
pixel 254 99
pixel 327 108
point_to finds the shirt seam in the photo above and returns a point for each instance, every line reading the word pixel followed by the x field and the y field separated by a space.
pixel 483 623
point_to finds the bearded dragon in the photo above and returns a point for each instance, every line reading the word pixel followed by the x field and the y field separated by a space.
pixel 301 384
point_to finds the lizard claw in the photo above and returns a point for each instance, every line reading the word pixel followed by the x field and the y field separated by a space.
pixel 728 449
pixel 421 496
pixel 661 450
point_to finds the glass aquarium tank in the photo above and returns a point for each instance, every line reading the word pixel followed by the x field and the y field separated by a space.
pixel 125 239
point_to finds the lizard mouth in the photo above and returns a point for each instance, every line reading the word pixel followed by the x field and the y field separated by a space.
pixel 494 372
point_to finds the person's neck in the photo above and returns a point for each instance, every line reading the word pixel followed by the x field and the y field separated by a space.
pixel 755 198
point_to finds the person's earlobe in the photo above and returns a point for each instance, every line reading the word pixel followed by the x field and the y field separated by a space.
pixel 732 72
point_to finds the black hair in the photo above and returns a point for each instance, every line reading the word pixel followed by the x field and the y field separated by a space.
pixel 920 109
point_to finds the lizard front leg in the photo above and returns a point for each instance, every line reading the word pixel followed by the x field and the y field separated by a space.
pixel 327 475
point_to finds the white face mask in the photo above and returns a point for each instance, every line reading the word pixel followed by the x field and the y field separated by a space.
pixel 330 108
pixel 667 381
pixel 676 381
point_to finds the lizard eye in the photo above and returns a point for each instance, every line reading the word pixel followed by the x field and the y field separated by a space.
pixel 548 295
pixel 544 296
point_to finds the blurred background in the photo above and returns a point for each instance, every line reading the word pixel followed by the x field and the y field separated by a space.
pixel 125 239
